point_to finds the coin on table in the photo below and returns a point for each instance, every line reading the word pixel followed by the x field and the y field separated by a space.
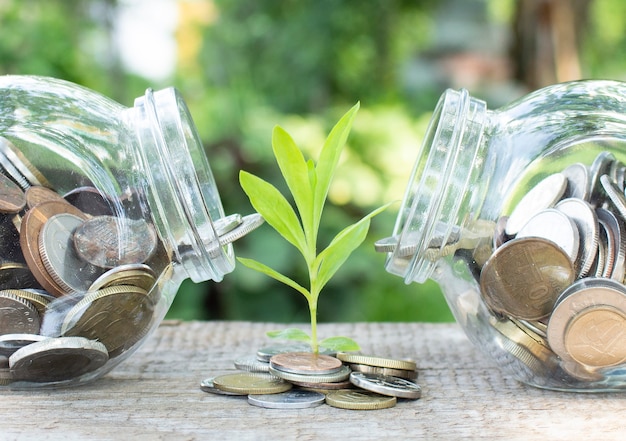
pixel 251 364
pixel 90 200
pixel 556 226
pixel 267 352
pixel 245 383
pixel 292 399
pixel 9 343
pixel 341 375
pixel 324 387
pixel 305 363
pixel 382 362
pixel 359 400
pixel 577 175
pixel 585 218
pixel 17 315
pixel 137 274
pixel 524 277
pixel 32 224
pixel 588 324
pixel 71 273
pixel 12 198
pixel 117 316
pixel 400 373
pixel 37 194
pixel 544 194
pixel 57 359
pixel 207 385
pixel 386 385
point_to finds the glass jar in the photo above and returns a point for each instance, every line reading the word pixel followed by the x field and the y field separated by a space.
pixel 104 211
pixel 519 215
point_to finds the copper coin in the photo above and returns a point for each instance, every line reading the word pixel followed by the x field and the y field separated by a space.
pixel 109 241
pixel 305 363
pixel 12 198
pixel 525 276
pixel 37 194
pixel 32 223
pixel 17 315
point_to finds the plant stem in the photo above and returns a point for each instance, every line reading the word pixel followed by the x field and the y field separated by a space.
pixel 313 312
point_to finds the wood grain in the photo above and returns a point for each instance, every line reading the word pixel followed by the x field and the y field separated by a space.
pixel 155 395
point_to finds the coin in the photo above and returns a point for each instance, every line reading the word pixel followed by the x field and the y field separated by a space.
pixel 12 198
pixel 581 213
pixel 225 224
pixel 137 274
pixel 37 194
pixel 267 352
pixel 324 386
pixel 341 375
pixel 359 400
pixel 600 166
pixel 109 241
pixel 17 315
pixel 21 168
pixel 57 359
pixel 71 273
pixel 117 316
pixel 251 364
pixel 400 373
pixel 543 195
pixel 305 363
pixel 555 226
pixel 207 385
pixel 382 362
pixel 32 224
pixel 9 343
pixel 15 275
pixel 524 277
pixel 600 338
pixel 292 399
pixel 577 181
pixel 39 301
pixel 248 224
pixel 615 245
pixel 386 385
pixel 245 383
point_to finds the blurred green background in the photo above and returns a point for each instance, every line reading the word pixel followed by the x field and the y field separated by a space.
pixel 245 66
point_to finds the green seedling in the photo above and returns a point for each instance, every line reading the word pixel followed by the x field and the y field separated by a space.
pixel 308 183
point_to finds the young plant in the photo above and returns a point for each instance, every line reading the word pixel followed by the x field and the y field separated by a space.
pixel 308 183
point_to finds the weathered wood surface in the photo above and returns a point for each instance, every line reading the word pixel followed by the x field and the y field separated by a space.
pixel 155 395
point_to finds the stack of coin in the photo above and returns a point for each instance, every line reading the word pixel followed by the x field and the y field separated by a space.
pixel 78 270
pixel 302 379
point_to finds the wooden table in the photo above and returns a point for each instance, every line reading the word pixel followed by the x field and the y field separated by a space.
pixel 155 395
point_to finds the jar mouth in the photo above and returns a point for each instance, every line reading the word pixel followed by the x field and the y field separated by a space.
pixel 188 201
pixel 439 186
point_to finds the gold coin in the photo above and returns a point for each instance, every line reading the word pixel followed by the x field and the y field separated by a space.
pixel 245 383
pixel 359 400
pixel 524 277
pixel 117 316
pixel 17 315
pixel 382 362
pixel 40 302
pixel 132 274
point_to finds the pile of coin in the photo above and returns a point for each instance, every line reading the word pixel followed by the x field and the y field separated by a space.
pixel 290 377
pixel 78 275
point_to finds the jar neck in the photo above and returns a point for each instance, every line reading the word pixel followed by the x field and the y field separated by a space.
pixel 179 186
pixel 441 197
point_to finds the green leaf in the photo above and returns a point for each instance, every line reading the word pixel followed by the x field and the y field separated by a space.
pixel 274 208
pixel 329 157
pixel 290 334
pixel 296 174
pixel 262 268
pixel 343 244
pixel 343 344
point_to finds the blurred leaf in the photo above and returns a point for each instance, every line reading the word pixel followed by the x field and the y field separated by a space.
pixel 340 344
pixel 290 334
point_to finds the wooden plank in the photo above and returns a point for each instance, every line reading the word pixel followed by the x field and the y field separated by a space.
pixel 155 395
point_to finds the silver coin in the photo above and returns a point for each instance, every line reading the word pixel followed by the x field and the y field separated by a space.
pixel 225 224
pixel 207 385
pixel 577 181
pixel 555 226
pixel 251 364
pixel 110 241
pixel 341 375
pixel 267 352
pixel 615 195
pixel 616 247
pixel 292 399
pixel 616 173
pixel 386 245
pixel 248 224
pixel 70 272
pixel 602 266
pixel 57 359
pixel 18 315
pixel 600 166
pixel 386 385
pixel 9 343
pixel 587 222
pixel 543 195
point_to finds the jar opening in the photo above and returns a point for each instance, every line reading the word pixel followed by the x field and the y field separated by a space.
pixel 439 186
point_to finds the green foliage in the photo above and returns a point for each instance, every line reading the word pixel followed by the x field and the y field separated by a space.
pixel 308 183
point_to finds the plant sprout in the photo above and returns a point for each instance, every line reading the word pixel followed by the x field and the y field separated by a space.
pixel 308 183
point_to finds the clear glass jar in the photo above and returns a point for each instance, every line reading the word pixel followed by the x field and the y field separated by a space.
pixel 518 214
pixel 104 211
